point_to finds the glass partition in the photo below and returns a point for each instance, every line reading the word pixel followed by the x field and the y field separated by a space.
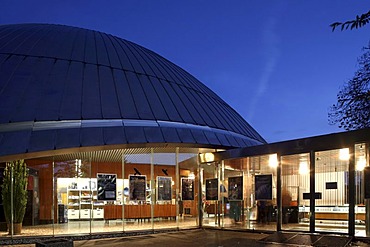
pixel 106 190
pixel 264 197
pixel 189 174
pixel 248 192
pixel 295 181
pixel 213 193
pixel 139 199
pixel 74 196
pixel 40 215
pixel 233 196
pixel 164 196
pixel 361 162
pixel 331 190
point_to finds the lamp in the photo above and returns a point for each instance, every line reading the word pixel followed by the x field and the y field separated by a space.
pixel 303 168
pixel 273 162
pixel 207 157
pixel 361 163
pixel 344 154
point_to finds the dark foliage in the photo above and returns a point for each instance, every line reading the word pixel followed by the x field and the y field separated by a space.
pixel 352 111
pixel 359 22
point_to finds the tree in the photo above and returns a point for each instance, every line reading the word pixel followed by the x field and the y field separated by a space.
pixel 14 194
pixel 360 21
pixel 352 110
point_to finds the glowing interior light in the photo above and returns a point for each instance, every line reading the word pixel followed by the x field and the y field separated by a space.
pixel 303 168
pixel 344 154
pixel 361 163
pixel 207 157
pixel 273 162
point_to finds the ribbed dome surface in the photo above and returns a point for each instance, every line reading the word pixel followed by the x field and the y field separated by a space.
pixel 65 87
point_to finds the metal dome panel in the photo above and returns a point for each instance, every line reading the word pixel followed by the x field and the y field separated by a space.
pixel 57 81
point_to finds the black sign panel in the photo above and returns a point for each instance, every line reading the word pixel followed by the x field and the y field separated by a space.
pixel 235 187
pixel 107 187
pixel 164 191
pixel 306 196
pixel 263 184
pixel 137 185
pixel 331 185
pixel 212 189
pixel 187 189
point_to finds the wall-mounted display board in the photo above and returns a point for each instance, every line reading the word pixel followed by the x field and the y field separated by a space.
pixel 137 186
pixel 331 185
pixel 263 186
pixel 187 189
pixel 235 187
pixel 164 191
pixel 212 191
pixel 107 186
pixel 318 196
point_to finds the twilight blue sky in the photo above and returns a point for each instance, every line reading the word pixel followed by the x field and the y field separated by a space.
pixel 275 62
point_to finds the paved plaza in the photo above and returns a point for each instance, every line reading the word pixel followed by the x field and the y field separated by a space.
pixel 219 238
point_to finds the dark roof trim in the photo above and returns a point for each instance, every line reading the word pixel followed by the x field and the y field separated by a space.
pixel 304 145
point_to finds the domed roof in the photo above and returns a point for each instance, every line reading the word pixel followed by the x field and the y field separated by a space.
pixel 65 87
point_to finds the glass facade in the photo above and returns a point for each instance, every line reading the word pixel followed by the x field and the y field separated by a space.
pixel 123 190
pixel 308 192
pixel 112 191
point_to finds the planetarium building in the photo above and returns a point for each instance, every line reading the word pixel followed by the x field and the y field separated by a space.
pixel 99 136
pixel 109 131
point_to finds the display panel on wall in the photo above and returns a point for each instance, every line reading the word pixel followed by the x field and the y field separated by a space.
pixel 187 189
pixel 164 191
pixel 235 192
pixel 107 186
pixel 137 186
pixel 212 189
pixel 263 184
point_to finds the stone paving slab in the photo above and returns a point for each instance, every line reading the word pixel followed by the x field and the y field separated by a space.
pixel 299 239
pixel 333 241
pixel 304 239
pixel 278 237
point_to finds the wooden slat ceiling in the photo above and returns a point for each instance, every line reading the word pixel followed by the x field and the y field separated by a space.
pixel 134 155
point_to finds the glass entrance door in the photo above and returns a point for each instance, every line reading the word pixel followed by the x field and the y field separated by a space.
pixel 212 194
pixel 295 180
pixel 332 191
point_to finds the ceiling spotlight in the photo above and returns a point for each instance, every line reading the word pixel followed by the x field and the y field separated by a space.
pixel 344 154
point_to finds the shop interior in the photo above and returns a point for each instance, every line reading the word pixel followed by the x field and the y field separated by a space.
pixel 107 191
pixel 257 211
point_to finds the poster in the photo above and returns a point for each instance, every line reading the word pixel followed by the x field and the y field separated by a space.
pixel 107 186
pixel 263 187
pixel 164 190
pixel 235 192
pixel 137 187
pixel 187 189
pixel 212 189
